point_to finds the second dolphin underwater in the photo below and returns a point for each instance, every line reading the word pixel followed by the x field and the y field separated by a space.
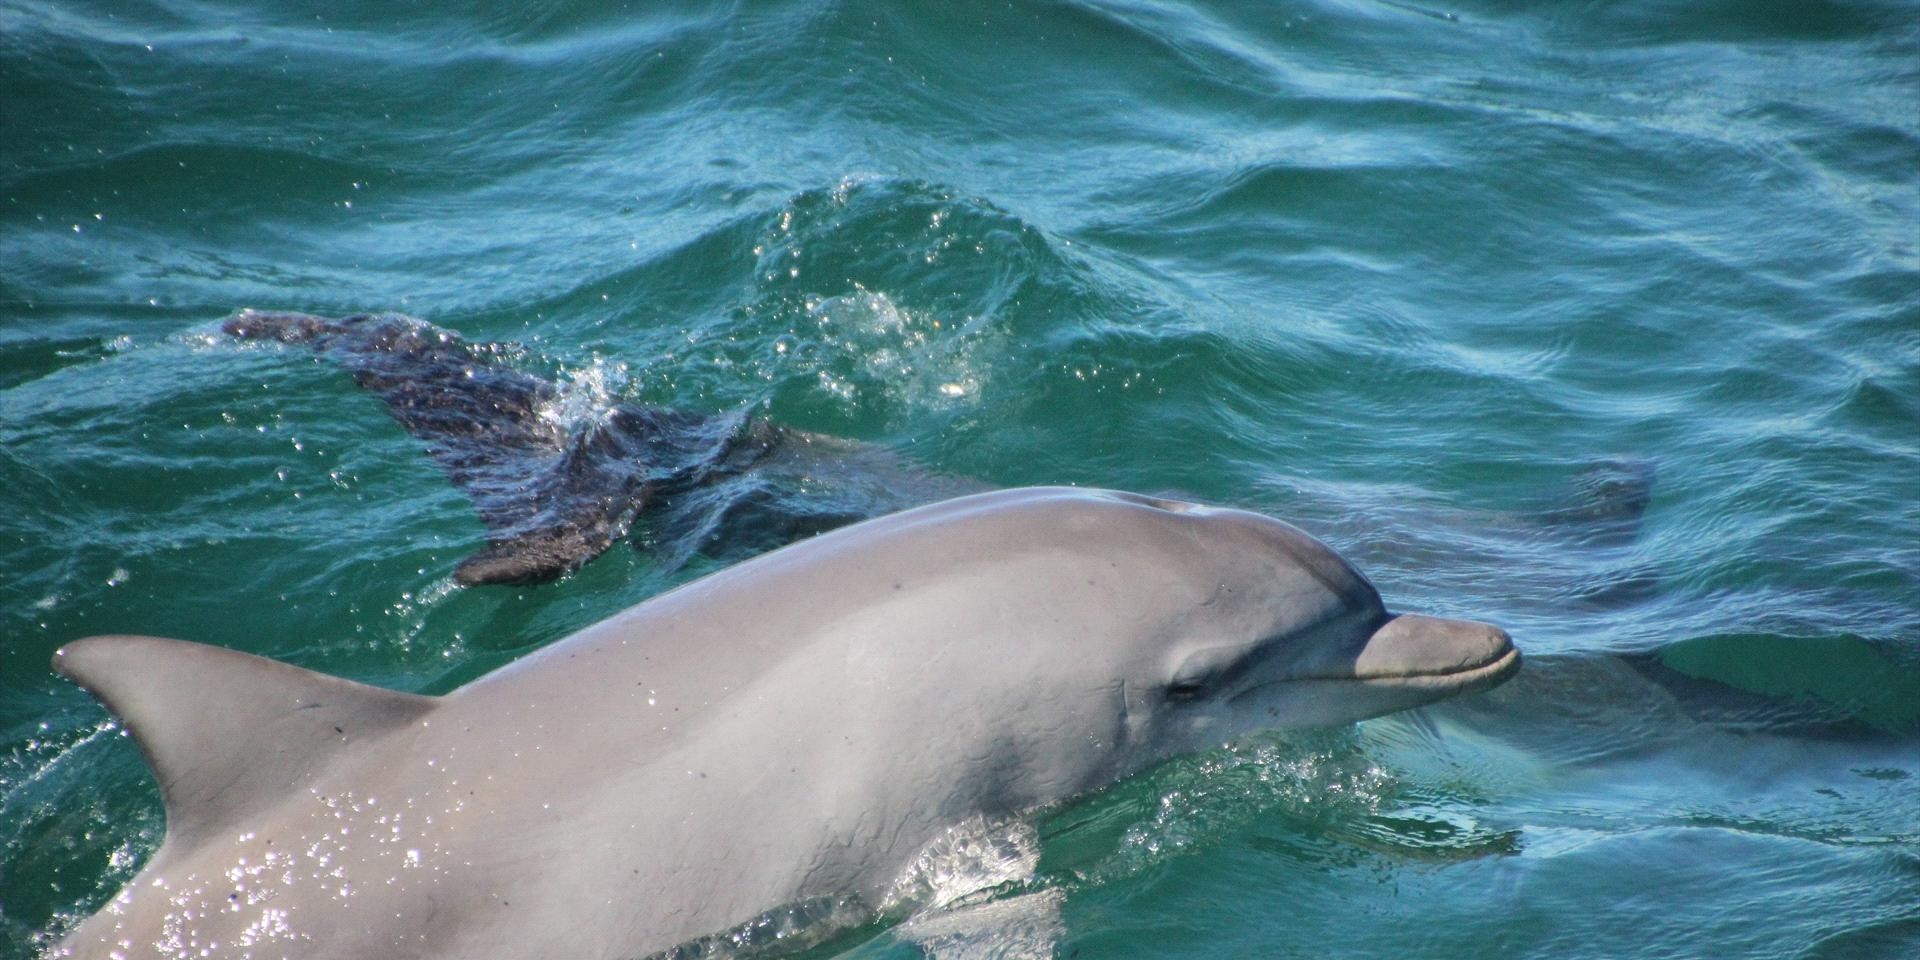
pixel 555 490
pixel 796 728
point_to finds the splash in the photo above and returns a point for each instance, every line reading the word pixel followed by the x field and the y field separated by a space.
pixel 864 346
pixel 43 754
pixel 586 397
pixel 39 804
pixel 968 860
pixel 883 300
pixel 974 887
pixel 779 932
pixel 1200 801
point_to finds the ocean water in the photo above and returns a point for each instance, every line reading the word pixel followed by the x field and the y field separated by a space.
pixel 1406 274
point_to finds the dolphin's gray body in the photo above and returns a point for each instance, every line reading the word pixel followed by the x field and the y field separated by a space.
pixel 794 728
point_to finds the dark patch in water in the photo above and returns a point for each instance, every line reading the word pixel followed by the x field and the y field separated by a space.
pixel 1839 683
pixel 554 492
pixel 1609 501
pixel 25 361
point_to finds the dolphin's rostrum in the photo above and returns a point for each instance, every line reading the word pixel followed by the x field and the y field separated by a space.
pixel 790 729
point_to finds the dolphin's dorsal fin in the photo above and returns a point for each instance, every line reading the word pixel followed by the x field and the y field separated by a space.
pixel 228 733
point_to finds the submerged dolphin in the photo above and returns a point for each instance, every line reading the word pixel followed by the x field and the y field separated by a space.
pixel 794 729
pixel 555 491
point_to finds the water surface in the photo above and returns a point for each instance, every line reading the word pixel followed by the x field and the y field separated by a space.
pixel 1400 273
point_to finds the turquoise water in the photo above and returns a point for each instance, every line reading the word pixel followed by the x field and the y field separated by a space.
pixel 1400 273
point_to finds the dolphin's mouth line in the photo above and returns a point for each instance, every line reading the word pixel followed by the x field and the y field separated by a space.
pixel 1498 668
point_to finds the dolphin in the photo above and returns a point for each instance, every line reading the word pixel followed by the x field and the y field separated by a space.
pixel 795 729
pixel 556 485
pixel 556 481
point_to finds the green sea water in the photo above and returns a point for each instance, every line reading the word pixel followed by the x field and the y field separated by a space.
pixel 1401 273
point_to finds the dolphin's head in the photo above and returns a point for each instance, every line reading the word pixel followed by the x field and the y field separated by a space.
pixel 1291 635
pixel 1198 624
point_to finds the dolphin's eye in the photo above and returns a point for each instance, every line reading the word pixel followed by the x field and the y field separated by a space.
pixel 1202 672
pixel 1186 689
pixel 1192 684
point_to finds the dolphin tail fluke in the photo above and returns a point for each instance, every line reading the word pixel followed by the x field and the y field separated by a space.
pixel 534 557
pixel 555 479
pixel 225 732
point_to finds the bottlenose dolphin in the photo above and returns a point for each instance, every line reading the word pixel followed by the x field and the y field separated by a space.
pixel 794 729
pixel 556 490
pixel 557 482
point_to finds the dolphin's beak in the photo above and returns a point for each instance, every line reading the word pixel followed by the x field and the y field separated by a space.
pixel 1418 650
